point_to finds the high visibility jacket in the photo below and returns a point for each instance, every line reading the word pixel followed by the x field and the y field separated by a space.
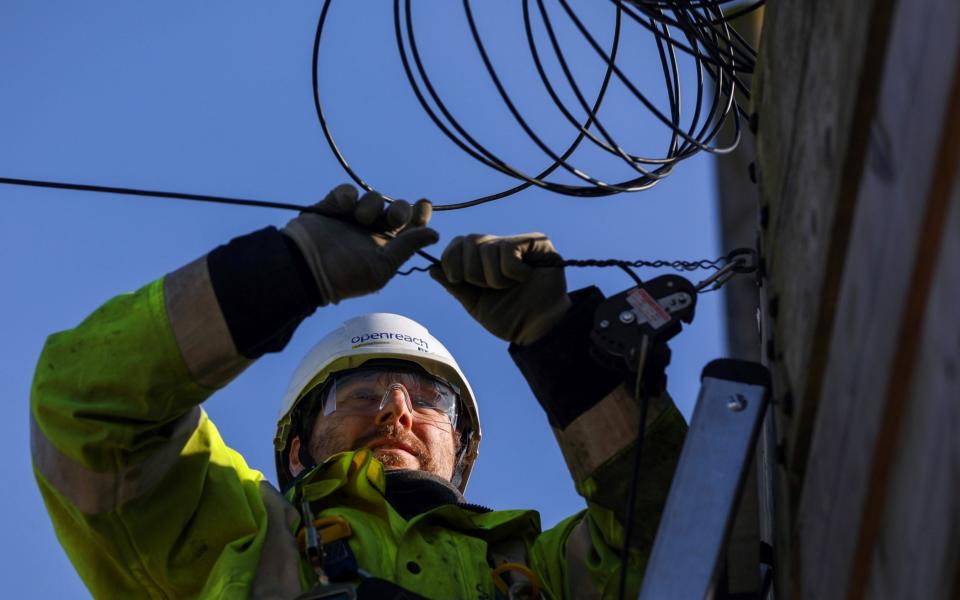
pixel 148 500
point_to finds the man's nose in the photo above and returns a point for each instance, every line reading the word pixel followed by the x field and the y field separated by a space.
pixel 395 409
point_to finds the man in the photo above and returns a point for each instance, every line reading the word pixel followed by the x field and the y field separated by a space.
pixel 375 442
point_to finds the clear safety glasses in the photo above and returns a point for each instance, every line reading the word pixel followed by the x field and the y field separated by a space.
pixel 366 391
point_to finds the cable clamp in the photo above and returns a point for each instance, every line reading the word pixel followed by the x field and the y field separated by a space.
pixel 744 260
pixel 739 260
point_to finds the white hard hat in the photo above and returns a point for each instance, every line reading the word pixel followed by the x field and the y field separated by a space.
pixel 371 337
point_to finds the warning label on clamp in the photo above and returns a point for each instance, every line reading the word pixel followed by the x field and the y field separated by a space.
pixel 647 308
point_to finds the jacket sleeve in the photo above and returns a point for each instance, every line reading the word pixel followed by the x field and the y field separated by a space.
pixel 596 421
pixel 144 495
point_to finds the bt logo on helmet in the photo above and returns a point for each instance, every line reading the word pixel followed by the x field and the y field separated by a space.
pixel 385 335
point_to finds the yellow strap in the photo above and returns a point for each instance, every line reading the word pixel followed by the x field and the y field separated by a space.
pixel 329 530
pixel 523 570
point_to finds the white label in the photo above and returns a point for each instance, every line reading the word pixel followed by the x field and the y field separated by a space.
pixel 648 308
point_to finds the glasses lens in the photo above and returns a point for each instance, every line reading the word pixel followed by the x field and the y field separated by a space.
pixel 365 392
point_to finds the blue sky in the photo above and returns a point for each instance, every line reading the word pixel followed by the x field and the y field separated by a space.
pixel 215 98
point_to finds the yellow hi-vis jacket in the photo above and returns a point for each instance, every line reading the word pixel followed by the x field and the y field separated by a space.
pixel 149 502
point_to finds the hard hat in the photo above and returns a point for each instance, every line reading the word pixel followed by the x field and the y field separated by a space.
pixel 378 336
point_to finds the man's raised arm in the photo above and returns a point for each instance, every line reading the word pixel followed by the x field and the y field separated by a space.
pixel 595 418
pixel 144 495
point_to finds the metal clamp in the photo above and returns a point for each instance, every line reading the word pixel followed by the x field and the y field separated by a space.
pixel 739 261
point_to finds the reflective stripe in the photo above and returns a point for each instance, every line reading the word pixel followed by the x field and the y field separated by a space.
pixel 278 574
pixel 603 431
pixel 93 492
pixel 600 433
pixel 579 548
pixel 199 327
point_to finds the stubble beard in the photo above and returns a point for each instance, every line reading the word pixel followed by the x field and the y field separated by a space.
pixel 328 440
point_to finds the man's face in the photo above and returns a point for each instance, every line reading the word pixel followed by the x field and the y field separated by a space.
pixel 399 437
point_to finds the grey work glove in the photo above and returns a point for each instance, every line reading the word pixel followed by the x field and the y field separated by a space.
pixel 511 299
pixel 351 254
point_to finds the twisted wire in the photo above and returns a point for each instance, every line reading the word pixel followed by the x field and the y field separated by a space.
pixel 677 265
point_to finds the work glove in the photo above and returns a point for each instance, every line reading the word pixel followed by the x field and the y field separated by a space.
pixel 511 299
pixel 354 246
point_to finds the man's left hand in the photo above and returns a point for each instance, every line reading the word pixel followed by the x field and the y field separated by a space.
pixel 490 277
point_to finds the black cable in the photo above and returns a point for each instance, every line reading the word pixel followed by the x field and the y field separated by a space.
pixel 610 145
pixel 686 24
pixel 632 87
pixel 631 274
pixel 642 399
pixel 697 28
pixel 181 196
pixel 429 111
pixel 153 194
pixel 626 265
pixel 519 118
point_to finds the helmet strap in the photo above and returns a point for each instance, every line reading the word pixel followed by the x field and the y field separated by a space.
pixel 306 459
pixel 457 477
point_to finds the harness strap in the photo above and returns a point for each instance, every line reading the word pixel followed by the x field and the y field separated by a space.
pixel 340 567
pixel 339 562
pixel 511 575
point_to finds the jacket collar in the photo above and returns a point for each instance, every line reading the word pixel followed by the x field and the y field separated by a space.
pixel 359 476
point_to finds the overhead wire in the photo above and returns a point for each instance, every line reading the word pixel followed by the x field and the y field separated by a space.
pixel 128 191
pixel 678 265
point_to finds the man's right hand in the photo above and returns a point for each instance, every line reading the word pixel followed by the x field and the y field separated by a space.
pixel 354 246
pixel 511 299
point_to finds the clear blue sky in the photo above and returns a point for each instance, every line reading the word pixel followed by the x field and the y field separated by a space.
pixel 214 97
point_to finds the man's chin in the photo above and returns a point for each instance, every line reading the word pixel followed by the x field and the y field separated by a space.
pixel 396 458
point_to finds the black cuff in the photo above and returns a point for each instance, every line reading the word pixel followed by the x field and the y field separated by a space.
pixel 558 367
pixel 264 288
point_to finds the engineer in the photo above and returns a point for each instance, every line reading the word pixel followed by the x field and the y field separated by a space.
pixel 376 438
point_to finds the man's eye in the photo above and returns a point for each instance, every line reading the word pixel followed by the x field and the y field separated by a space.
pixel 424 402
pixel 360 395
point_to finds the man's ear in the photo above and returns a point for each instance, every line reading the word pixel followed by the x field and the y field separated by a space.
pixel 293 458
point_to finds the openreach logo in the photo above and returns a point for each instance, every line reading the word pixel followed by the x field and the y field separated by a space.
pixel 382 337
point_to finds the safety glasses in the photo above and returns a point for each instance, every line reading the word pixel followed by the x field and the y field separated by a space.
pixel 365 391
